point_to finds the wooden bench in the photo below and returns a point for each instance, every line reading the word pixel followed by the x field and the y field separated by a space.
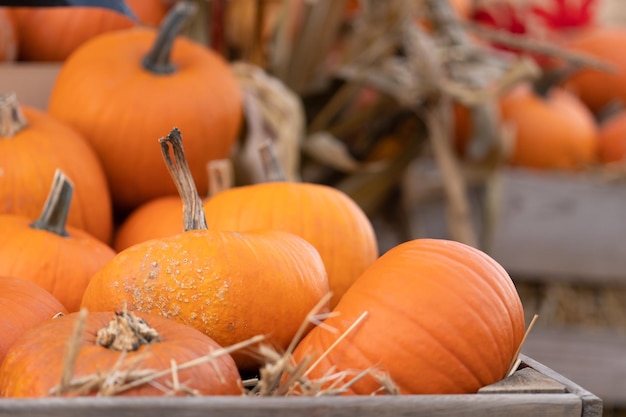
pixel 550 230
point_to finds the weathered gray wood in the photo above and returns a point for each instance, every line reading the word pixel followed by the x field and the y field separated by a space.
pixel 32 82
pixel 471 405
pixel 595 359
pixel 559 226
pixel 526 380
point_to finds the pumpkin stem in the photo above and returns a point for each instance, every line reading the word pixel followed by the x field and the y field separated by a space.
pixel 193 212
pixel 12 120
pixel 550 79
pixel 126 332
pixel 272 167
pixel 53 217
pixel 221 176
pixel 158 59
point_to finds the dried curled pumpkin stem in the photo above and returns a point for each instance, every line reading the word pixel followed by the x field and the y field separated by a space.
pixel 53 218
pixel 193 212
pixel 126 333
pixel 12 120
pixel 158 59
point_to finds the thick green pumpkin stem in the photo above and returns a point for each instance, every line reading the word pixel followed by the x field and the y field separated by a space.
pixel 126 333
pixel 272 168
pixel 158 59
pixel 12 120
pixel 193 211
pixel 53 218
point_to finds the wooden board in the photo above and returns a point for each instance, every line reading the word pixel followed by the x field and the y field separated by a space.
pixel 562 226
pixel 569 401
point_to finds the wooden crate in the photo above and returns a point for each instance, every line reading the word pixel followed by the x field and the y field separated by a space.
pixel 533 390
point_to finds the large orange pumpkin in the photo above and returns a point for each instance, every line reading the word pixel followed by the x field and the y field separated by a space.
pixel 231 286
pixel 59 258
pixel 8 36
pixel 554 130
pixel 54 33
pixel 33 145
pixel 24 304
pixel 440 317
pixel 596 88
pixel 121 90
pixel 34 365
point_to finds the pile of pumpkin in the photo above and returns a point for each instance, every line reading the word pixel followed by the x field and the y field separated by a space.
pixel 195 290
pixel 573 118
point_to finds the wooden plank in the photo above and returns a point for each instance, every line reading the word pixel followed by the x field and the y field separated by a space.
pixel 526 380
pixel 32 82
pixel 497 405
pixel 595 359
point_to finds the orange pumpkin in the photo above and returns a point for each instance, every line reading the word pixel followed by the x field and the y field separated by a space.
pixel 231 286
pixel 24 304
pixel 437 316
pixel 59 258
pixel 33 145
pixel 8 36
pixel 612 139
pixel 596 88
pixel 552 131
pixel 34 365
pixel 124 84
pixel 53 33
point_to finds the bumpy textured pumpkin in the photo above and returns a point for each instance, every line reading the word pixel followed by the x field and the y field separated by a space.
pixel 24 304
pixel 596 88
pixel 555 131
pixel 34 365
pixel 122 90
pixel 53 33
pixel 33 145
pixel 612 139
pixel 231 286
pixel 441 318
pixel 326 217
pixel 57 257
pixel 8 36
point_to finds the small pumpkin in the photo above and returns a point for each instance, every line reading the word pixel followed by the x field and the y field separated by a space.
pixel 8 36
pixel 52 34
pixel 59 258
pixel 24 304
pixel 136 343
pixel 125 84
pixel 231 286
pixel 33 145
pixel 439 317
pixel 553 129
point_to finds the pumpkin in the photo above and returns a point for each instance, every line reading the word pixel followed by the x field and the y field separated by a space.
pixel 596 88
pixel 119 89
pixel 231 286
pixel 59 258
pixel 8 36
pixel 33 145
pixel 24 304
pixel 553 129
pixel 612 138
pixel 52 34
pixel 436 316
pixel 135 343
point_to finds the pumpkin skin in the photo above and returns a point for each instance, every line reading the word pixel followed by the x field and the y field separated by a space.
pixel 552 132
pixel 597 88
pixel 324 216
pixel 34 365
pixel 24 304
pixel 612 139
pixel 29 159
pixel 213 280
pixel 52 34
pixel 8 36
pixel 443 318
pixel 124 108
